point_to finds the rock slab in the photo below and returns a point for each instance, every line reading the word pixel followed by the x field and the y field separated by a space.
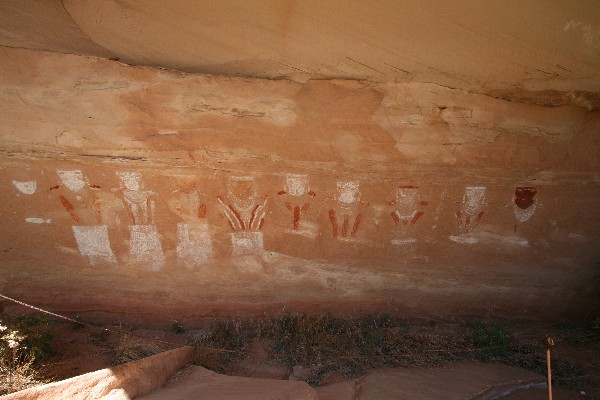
pixel 462 381
pixel 122 382
pixel 204 384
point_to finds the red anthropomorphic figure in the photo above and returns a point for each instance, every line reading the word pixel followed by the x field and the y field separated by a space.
pixel 406 214
pixel 524 204
pixel 80 201
pixel 469 214
pixel 195 244
pixel 346 218
pixel 297 196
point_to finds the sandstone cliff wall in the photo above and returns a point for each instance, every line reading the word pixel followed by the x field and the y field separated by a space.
pixel 158 193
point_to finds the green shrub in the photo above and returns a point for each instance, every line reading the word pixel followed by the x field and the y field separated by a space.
pixel 177 327
pixel 36 330
pixel 491 341
pixel 18 365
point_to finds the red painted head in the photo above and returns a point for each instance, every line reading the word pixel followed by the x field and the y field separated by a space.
pixel 524 197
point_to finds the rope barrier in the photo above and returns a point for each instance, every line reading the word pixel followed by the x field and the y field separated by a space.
pixel 42 310
pixel 86 324
pixel 120 332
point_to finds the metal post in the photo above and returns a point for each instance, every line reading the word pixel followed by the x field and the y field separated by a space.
pixel 549 344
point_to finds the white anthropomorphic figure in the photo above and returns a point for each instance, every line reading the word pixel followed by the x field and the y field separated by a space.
pixel 346 217
pixel 144 243
pixel 297 197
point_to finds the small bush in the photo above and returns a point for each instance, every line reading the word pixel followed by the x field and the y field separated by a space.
pixel 36 330
pixel 99 337
pixel 491 340
pixel 177 328
pixel 18 366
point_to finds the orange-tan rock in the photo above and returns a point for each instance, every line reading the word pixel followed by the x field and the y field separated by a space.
pixel 201 383
pixel 180 196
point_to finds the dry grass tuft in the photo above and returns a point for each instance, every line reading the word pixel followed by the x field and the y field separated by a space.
pixel 131 348
pixel 353 346
pixel 19 376
pixel 224 345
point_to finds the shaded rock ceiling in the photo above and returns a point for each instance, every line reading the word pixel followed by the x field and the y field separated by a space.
pixel 508 50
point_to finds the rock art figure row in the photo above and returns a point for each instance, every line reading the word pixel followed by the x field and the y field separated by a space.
pixel 93 210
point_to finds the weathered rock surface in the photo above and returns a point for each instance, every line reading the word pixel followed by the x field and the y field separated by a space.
pixel 201 383
pixel 532 46
pixel 179 196
pixel 463 381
